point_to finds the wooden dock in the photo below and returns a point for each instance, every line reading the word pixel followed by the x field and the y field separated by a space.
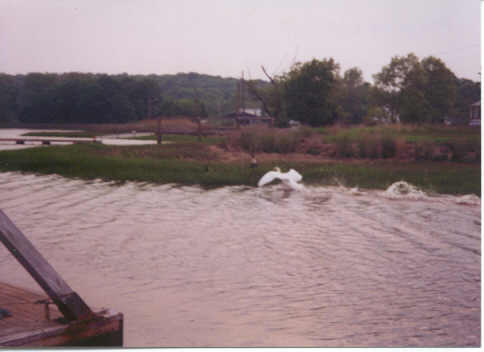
pixel 34 323
pixel 48 141
pixel 61 317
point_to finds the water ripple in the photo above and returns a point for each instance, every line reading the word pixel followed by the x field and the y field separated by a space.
pixel 238 266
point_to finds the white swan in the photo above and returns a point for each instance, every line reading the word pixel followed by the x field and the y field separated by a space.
pixel 290 178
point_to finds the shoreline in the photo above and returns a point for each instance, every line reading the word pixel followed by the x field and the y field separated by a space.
pixel 192 164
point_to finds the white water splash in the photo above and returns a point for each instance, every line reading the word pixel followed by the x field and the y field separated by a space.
pixel 355 191
pixel 469 199
pixel 404 190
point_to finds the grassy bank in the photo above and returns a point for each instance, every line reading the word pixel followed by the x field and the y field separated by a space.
pixel 402 142
pixel 197 164
pixel 405 133
pixel 178 138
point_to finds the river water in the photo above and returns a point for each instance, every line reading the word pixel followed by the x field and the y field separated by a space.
pixel 240 266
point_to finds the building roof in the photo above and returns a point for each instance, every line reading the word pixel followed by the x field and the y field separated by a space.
pixel 243 115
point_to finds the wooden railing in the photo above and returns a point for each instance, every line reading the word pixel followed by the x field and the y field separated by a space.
pixel 47 140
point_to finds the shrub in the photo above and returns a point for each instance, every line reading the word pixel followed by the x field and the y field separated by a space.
pixel 465 151
pixel 388 147
pixel 267 142
pixel 369 147
pixel 362 150
pixel 286 144
pixel 313 151
pixel 304 132
pixel 423 151
pixel 247 142
pixel 343 147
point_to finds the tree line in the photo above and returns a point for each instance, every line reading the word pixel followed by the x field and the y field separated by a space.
pixel 408 90
pixel 315 92
pixel 101 98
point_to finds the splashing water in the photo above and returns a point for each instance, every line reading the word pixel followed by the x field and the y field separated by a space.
pixel 404 190
pixel 469 199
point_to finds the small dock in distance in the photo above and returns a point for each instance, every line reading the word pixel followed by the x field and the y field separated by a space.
pixel 48 141
pixel 36 322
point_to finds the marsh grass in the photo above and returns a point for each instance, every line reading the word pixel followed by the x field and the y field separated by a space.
pixel 370 142
pixel 144 164
pixel 181 151
pixel 409 133
pixel 268 140
pixel 180 138
pixel 443 178
pixel 160 164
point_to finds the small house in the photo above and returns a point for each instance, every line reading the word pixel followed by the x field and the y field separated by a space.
pixel 475 114
pixel 245 118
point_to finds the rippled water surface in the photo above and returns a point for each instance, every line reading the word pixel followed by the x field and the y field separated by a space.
pixel 258 267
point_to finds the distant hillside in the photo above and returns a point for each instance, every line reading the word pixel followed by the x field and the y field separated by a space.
pixel 219 95
pixel 100 98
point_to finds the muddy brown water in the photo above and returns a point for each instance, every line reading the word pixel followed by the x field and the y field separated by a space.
pixel 239 266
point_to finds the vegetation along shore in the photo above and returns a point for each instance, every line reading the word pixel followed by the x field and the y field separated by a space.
pixel 438 160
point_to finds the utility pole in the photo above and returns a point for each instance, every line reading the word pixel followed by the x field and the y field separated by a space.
pixel 150 107
pixel 199 117
pixel 239 98
pixel 242 91
pixel 158 133
pixel 150 116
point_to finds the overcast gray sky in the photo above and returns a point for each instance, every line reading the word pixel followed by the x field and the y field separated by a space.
pixel 224 37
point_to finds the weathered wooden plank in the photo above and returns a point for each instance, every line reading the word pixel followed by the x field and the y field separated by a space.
pixel 68 301
pixel 99 331
pixel 28 326
pixel 26 315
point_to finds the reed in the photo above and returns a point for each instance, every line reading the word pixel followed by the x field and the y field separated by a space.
pixel 365 142
pixel 196 165
pixel 268 140
pixel 180 138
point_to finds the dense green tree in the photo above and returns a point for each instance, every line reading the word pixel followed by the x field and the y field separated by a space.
pixel 36 98
pixel 417 91
pixel 312 92
pixel 307 92
pixel 440 90
pixel 352 95
pixel 468 92
pixel 8 98
pixel 391 81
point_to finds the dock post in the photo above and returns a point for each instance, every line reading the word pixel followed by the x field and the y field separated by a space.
pixel 68 301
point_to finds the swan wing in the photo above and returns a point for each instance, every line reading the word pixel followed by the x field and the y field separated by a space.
pixel 294 175
pixel 268 178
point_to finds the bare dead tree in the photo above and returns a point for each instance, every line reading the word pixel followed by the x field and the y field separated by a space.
pixel 271 111
pixel 255 92
pixel 267 75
